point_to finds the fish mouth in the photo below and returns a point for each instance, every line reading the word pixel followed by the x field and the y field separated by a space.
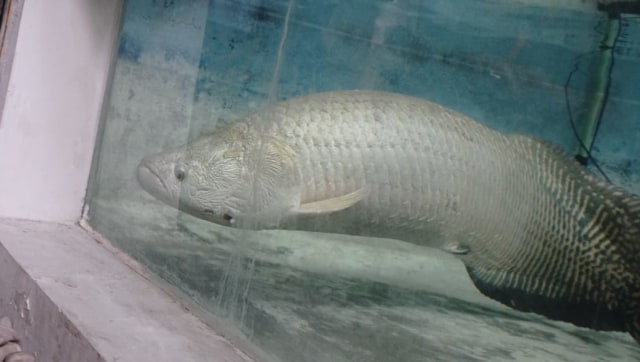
pixel 151 181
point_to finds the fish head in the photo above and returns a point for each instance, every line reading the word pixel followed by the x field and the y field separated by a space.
pixel 232 177
pixel 200 178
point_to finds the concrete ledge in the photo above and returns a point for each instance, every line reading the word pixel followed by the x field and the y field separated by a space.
pixel 71 300
pixel 42 327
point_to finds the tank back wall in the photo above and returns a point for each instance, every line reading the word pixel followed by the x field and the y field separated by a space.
pixel 505 69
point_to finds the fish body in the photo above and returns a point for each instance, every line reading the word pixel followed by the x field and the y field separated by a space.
pixel 533 228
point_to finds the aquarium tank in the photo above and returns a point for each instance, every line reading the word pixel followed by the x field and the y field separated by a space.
pixel 560 78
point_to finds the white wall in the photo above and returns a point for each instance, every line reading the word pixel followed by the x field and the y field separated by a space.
pixel 53 103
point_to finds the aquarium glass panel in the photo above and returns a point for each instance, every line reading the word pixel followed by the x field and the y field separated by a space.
pixel 383 180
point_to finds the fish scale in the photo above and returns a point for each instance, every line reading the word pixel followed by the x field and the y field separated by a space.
pixel 533 228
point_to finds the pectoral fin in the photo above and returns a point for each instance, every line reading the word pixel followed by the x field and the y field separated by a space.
pixel 331 205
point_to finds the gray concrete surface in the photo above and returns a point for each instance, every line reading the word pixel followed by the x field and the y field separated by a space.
pixel 72 300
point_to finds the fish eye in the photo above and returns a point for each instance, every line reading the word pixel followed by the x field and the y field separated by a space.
pixel 227 217
pixel 179 173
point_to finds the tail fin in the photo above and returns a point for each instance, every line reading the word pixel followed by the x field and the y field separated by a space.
pixel 627 208
pixel 634 328
pixel 588 273
pixel 629 244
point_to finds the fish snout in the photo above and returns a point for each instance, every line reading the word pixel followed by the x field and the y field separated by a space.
pixel 150 179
